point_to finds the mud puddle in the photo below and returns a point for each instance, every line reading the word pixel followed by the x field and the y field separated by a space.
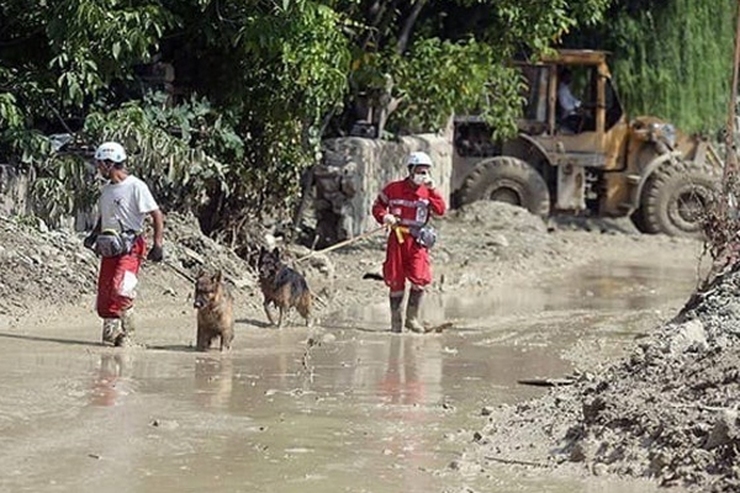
pixel 360 410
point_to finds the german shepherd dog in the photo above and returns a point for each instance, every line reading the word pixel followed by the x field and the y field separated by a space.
pixel 282 287
pixel 215 311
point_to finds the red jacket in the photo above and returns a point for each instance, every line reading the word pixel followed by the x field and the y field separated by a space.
pixel 409 203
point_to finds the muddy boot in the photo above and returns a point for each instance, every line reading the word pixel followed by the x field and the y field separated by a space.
pixel 128 328
pixel 412 311
pixel 111 330
pixel 396 317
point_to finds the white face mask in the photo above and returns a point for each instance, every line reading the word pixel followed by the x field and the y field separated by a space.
pixel 420 178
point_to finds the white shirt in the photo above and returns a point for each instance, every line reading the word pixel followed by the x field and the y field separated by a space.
pixel 568 102
pixel 125 205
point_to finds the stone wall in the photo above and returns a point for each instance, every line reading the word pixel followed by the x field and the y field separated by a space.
pixel 355 169
pixel 15 200
pixel 13 191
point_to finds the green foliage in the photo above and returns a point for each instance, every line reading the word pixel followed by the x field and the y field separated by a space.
pixel 63 184
pixel 437 79
pixel 97 41
pixel 671 59
pixel 269 77
pixel 168 148
pixel 462 65
pixel 539 24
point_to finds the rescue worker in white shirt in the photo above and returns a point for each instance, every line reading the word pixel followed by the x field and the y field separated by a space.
pixel 124 203
pixel 570 106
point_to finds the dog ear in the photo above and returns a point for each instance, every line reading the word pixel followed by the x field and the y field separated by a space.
pixel 201 273
pixel 217 277
pixel 276 252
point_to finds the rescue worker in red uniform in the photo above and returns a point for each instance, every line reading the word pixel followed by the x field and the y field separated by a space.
pixel 405 206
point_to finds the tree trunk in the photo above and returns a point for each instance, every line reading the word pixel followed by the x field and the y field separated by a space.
pixel 403 38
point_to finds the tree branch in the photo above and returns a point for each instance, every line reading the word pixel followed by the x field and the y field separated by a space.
pixel 403 38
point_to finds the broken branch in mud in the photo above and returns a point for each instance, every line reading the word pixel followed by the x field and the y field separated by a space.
pixel 518 462
pixel 547 382
pixel 702 407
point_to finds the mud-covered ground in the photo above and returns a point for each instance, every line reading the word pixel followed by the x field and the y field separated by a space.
pixel 666 411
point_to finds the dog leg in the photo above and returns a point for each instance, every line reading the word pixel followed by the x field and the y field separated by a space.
pixel 304 309
pixel 266 304
pixel 280 317
pixel 200 340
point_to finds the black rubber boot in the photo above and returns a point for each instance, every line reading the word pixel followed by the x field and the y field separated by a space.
pixel 396 316
pixel 412 311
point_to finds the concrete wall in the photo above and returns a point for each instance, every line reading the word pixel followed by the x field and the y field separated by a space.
pixel 355 169
pixel 13 191
pixel 15 200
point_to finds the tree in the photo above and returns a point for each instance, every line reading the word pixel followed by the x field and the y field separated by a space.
pixel 256 84
pixel 672 59
pixel 446 57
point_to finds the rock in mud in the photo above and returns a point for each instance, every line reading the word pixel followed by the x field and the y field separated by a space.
pixel 725 430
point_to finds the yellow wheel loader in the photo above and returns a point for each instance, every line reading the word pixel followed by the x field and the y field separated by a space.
pixel 591 161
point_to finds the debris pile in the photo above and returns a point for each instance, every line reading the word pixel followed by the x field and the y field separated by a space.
pixel 668 411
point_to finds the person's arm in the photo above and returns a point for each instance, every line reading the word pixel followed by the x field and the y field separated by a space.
pixel 437 203
pixel 567 100
pixel 147 205
pixel 380 208
pixel 158 220
pixel 89 241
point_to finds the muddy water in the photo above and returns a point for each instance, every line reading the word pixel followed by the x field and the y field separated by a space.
pixel 359 411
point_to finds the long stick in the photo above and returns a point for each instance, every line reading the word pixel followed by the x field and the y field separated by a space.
pixel 182 273
pixel 343 243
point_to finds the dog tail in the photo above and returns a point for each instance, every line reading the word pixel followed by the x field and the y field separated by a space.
pixel 373 276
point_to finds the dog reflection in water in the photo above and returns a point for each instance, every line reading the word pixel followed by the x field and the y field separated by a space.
pixel 214 381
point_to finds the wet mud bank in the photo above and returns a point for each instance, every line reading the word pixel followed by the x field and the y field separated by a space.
pixel 666 411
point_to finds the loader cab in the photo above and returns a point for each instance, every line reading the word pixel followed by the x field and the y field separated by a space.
pixel 582 74
pixel 572 159
pixel 588 85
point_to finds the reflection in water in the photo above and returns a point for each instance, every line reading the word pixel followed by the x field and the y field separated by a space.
pixel 373 419
pixel 602 287
pixel 214 381
pixel 626 286
pixel 413 373
pixel 105 390
pixel 410 389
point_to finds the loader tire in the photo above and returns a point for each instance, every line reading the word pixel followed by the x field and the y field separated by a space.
pixel 675 199
pixel 506 179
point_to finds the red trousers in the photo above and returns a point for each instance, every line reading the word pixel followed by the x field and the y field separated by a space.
pixel 407 260
pixel 117 280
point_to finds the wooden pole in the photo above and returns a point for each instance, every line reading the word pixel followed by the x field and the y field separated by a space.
pixel 344 243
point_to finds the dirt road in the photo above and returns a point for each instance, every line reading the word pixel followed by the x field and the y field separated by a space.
pixel 354 409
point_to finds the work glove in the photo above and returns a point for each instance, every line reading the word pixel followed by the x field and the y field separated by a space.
pixel 429 182
pixel 155 254
pixel 390 220
pixel 89 241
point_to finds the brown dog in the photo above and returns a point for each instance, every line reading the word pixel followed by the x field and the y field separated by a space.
pixel 215 311
pixel 282 287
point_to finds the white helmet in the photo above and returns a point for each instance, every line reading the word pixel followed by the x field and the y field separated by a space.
pixel 112 151
pixel 419 158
